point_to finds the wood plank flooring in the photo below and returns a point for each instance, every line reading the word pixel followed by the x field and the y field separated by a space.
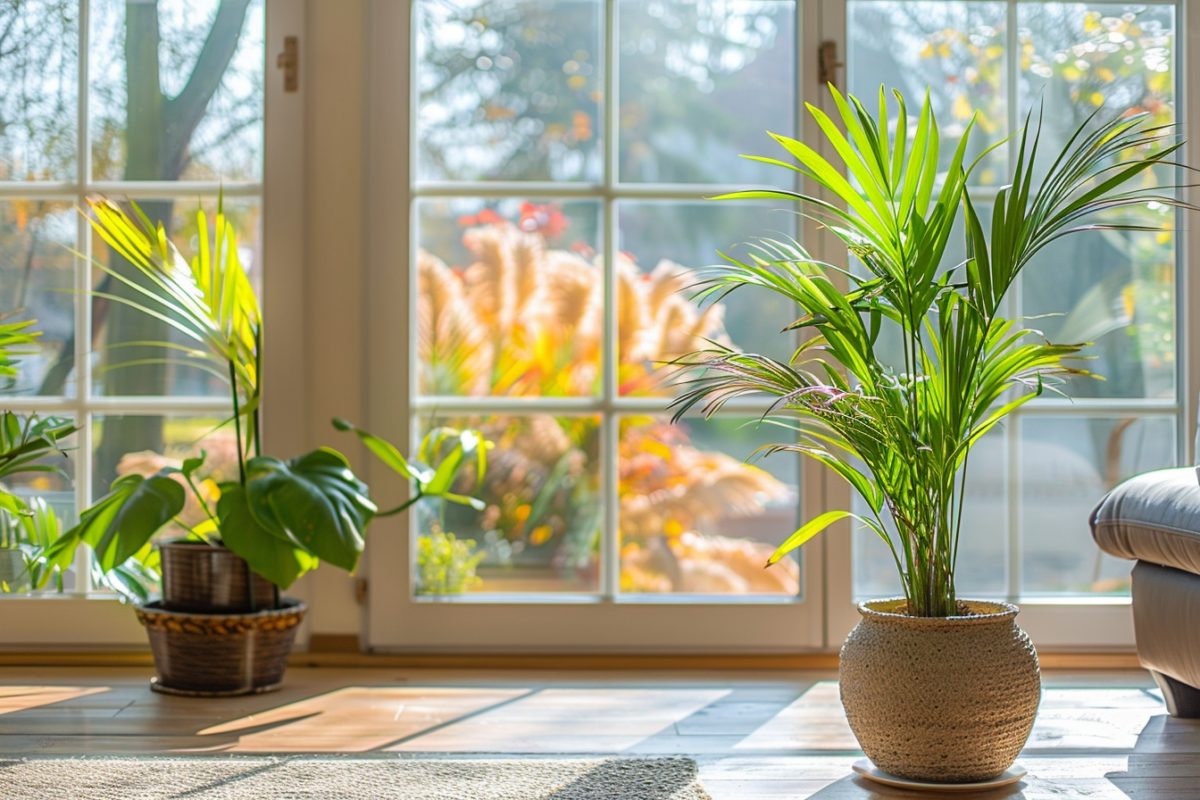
pixel 1099 735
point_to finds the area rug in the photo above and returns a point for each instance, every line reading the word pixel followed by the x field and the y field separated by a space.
pixel 305 777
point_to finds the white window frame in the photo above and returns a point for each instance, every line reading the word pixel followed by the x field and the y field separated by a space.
pixel 563 623
pixel 90 619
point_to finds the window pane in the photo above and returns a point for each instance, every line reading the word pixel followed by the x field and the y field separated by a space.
pixel 509 90
pixel 121 364
pixel 1079 57
pixel 953 50
pixel 37 279
pixel 190 108
pixel 540 529
pixel 700 83
pixel 1115 289
pixel 663 244
pixel 696 518
pixel 1067 463
pixel 510 298
pixel 983 546
pixel 39 40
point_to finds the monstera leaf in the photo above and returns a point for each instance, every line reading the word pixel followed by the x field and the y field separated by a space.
pixel 276 559
pixel 314 502
pixel 119 525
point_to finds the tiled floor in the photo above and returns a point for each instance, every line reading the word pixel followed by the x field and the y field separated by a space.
pixel 769 735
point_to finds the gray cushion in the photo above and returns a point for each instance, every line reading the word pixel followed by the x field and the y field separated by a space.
pixel 1153 517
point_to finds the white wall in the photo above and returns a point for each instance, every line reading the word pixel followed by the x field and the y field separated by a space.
pixel 333 76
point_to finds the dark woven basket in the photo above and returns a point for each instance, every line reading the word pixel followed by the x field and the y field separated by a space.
pixel 220 654
pixel 207 578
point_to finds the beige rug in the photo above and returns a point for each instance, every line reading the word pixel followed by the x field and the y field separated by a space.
pixel 308 777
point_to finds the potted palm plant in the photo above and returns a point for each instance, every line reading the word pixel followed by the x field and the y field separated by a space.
pixel 221 626
pixel 936 687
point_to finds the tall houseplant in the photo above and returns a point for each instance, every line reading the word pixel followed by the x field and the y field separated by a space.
pixel 276 521
pixel 901 433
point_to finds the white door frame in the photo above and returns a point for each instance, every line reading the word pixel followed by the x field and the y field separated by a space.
pixel 395 620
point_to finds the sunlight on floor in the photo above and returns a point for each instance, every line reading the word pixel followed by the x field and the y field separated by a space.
pixel 23 698
pixel 1069 718
pixel 356 719
pixel 568 720
pixel 463 720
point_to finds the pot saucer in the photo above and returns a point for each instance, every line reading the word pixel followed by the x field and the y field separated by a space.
pixel 866 769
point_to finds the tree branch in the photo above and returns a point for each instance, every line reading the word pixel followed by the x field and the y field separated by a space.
pixel 184 111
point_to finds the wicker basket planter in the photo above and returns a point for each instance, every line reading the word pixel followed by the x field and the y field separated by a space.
pixel 218 655
pixel 948 700
pixel 217 631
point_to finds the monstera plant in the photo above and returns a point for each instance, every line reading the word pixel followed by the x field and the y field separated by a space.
pixel 272 522
pixel 282 516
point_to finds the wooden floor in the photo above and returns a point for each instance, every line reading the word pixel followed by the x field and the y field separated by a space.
pixel 772 735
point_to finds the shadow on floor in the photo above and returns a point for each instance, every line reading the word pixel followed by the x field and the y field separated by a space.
pixel 673 778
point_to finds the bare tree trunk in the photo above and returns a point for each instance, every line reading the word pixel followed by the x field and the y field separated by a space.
pixel 145 123
pixel 158 133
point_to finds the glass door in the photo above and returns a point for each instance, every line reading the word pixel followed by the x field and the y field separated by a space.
pixel 555 176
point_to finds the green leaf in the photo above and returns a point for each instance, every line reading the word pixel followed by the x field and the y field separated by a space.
pixel 120 524
pixel 807 531
pixel 385 451
pixel 314 501
pixel 277 560
pixel 190 465
pixel 469 442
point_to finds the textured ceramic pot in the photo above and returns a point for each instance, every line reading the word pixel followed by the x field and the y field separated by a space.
pixel 220 654
pixel 208 579
pixel 943 699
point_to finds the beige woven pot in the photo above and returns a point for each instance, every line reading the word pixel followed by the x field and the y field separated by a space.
pixel 948 699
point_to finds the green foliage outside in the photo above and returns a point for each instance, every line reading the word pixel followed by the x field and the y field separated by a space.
pixel 446 564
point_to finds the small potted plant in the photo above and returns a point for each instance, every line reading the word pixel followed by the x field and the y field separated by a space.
pixel 26 444
pixel 221 627
pixel 936 687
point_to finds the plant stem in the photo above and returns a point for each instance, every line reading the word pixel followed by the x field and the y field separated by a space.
pixel 406 504
pixel 200 499
pixel 237 423
pixel 258 391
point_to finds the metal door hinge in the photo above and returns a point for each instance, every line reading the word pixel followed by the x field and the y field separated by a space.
pixel 827 62
pixel 360 591
pixel 289 62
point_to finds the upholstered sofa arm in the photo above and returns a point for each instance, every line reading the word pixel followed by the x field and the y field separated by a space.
pixel 1153 517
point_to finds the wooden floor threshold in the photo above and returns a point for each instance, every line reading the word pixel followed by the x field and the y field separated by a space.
pixel 545 661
